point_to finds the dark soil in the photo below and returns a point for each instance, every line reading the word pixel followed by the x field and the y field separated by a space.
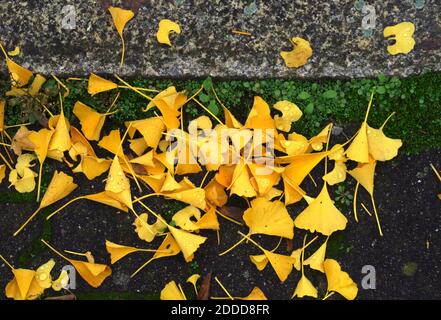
pixel 406 258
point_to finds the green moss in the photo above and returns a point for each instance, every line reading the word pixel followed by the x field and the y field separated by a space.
pixel 415 100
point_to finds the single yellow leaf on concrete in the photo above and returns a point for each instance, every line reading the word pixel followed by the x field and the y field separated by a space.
pixel 23 286
pixel 402 33
pixel 299 55
pixel 120 18
pixel 339 281
pixel 165 27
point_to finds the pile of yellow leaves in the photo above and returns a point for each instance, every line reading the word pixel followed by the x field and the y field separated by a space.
pixel 143 155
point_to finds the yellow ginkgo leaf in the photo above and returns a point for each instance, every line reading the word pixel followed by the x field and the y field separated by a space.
pixel 20 76
pixel 315 261
pixel 182 218
pixel 172 292
pixel 36 85
pixel 305 288
pixel 230 120
pixel 264 176
pixel 194 197
pixel 281 264
pixel 24 161
pixel 170 184
pixel 14 52
pixel 2 172
pixel 339 281
pixel 145 159
pixel 319 140
pixel 402 33
pixel 25 183
pixel 241 184
pixel 111 142
pixel 117 251
pixel 209 220
pixel 321 215
pixel 77 138
pixel 188 242
pixel 260 116
pixel 169 102
pixel 146 231
pixel 382 148
pixel 96 84
pixel 260 261
pixel 215 193
pixel 290 113
pixel 337 175
pixel 299 55
pixel 359 147
pixel 60 187
pixel 255 294
pixel 40 140
pixel 61 282
pixel 43 274
pixel 23 286
pixel 118 185
pixel 358 150
pixel 21 141
pixel 60 140
pixel 193 279
pixel 165 27
pixel 169 247
pixel 91 121
pixel 92 167
pixel 120 18
pixel 151 130
pixel 93 273
pixel 270 218
pixel 364 173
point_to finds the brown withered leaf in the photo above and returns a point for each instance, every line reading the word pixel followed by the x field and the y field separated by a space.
pixel 65 297
pixel 289 245
pixel 204 291
pixel 235 213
